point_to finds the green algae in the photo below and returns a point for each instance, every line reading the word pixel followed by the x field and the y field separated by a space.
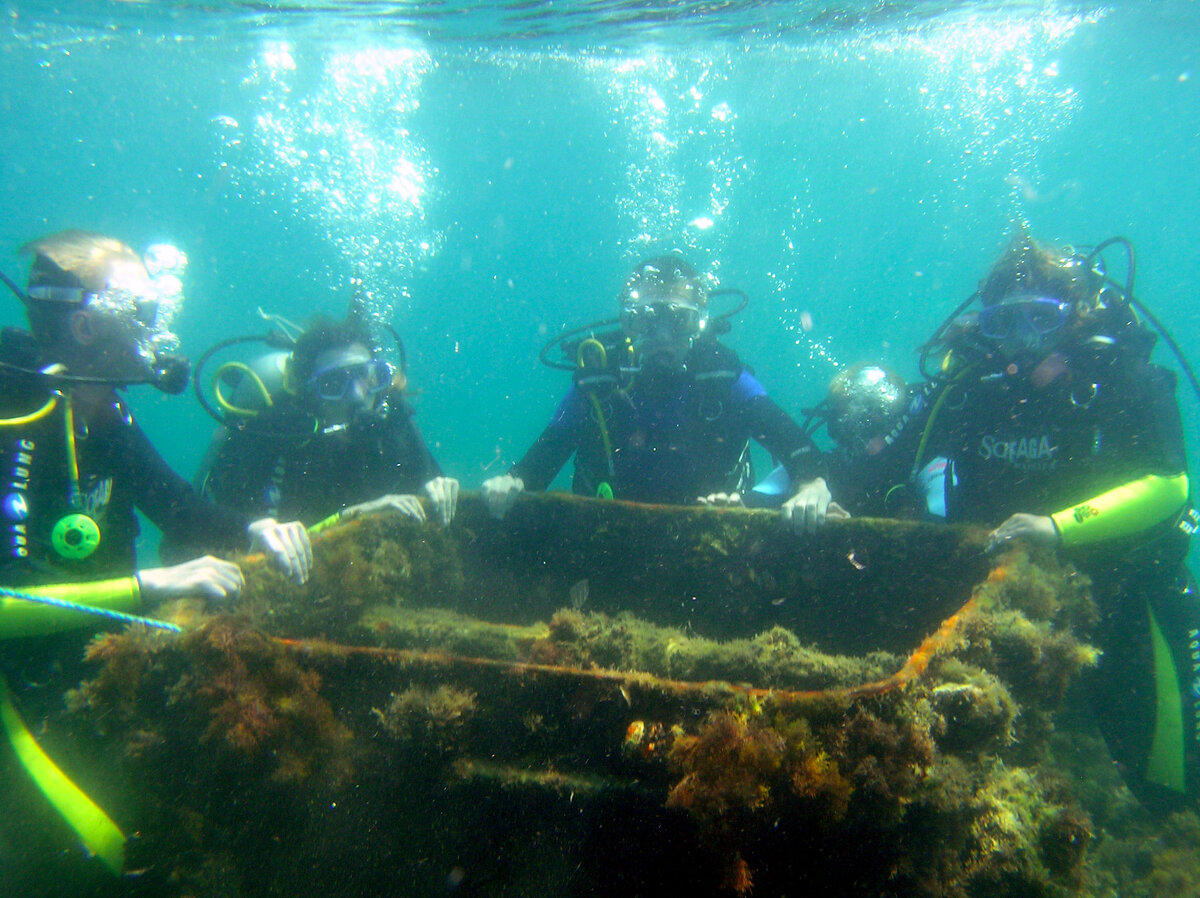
pixel 770 750
pixel 774 659
pixel 428 717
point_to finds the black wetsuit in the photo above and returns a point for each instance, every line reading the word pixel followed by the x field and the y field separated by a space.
pixel 118 471
pixel 279 464
pixel 1107 417
pixel 673 437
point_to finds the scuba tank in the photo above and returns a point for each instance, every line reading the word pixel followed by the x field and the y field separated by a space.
pixel 255 384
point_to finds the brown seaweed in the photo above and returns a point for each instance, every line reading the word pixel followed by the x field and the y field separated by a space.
pixel 903 735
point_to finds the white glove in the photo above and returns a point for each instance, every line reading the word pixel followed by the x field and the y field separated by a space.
pixel 1039 530
pixel 287 544
pixel 443 493
pixel 808 509
pixel 499 494
pixel 405 503
pixel 207 577
pixel 723 500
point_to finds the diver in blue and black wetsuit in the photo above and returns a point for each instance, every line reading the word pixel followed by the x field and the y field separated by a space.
pixel 665 413
pixel 1055 423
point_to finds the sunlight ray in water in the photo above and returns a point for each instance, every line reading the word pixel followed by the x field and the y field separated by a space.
pixel 332 139
pixel 669 112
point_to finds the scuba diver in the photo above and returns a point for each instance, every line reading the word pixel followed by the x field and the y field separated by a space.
pixel 874 419
pixel 76 467
pixel 77 464
pixel 660 411
pixel 1053 421
pixel 322 431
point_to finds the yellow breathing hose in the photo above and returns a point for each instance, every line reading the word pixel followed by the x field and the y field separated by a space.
pixel 37 415
pixel 597 410
pixel 254 379
pixel 96 830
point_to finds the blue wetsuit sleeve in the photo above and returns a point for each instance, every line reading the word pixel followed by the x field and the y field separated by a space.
pixel 747 387
pixel 545 458
pixel 771 491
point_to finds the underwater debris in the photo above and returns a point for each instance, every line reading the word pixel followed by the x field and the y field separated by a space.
pixel 262 703
pixel 774 659
pixel 513 778
pixel 990 829
pixel 727 769
pixel 738 878
pixel 1147 860
pixel 439 629
pixel 1022 833
pixel 775 752
pixel 224 685
pixel 379 560
pixel 974 712
pixel 650 740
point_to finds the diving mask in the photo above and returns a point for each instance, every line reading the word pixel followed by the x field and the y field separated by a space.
pixel 336 382
pixel 662 319
pixel 1023 315
pixel 864 403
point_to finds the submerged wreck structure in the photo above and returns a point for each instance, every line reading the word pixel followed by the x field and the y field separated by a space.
pixel 599 698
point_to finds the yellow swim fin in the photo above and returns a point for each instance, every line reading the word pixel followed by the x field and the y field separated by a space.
pixel 95 829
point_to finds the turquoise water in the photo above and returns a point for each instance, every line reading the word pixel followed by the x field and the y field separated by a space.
pixel 491 175
pixel 487 173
